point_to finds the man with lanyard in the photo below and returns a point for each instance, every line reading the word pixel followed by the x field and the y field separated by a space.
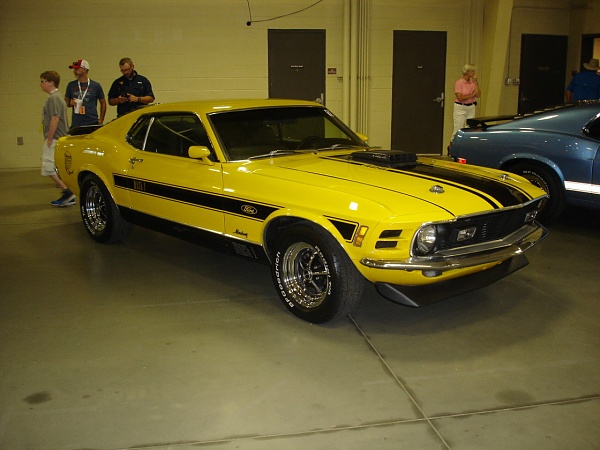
pixel 130 91
pixel 83 96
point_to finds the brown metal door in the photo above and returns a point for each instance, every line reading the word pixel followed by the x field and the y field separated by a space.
pixel 297 64
pixel 589 42
pixel 419 73
pixel 543 67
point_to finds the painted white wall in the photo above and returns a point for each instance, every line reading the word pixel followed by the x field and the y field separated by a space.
pixel 192 49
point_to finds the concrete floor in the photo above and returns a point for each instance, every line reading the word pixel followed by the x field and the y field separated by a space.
pixel 156 343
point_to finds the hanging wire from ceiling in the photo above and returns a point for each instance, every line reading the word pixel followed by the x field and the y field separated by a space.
pixel 250 22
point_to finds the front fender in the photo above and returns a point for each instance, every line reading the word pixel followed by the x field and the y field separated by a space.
pixel 342 230
pixel 509 161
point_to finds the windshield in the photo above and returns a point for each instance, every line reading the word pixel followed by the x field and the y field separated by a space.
pixel 268 131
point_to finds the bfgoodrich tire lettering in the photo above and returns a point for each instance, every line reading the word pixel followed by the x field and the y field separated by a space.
pixel 313 276
pixel 544 178
pixel 99 213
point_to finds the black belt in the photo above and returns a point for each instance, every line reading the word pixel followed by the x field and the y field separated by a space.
pixel 466 104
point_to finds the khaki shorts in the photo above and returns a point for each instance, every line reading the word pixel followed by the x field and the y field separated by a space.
pixel 48 167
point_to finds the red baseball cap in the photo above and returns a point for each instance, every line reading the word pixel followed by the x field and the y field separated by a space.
pixel 79 64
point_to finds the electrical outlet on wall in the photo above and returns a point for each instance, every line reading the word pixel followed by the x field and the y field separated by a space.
pixel 20 140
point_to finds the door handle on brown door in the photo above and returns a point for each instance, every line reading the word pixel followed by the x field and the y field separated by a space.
pixel 440 99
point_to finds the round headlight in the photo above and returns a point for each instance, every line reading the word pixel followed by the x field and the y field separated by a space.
pixel 426 238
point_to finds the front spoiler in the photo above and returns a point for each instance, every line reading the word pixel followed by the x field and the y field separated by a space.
pixel 417 296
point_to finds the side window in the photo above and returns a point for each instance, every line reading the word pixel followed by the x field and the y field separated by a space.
pixel 592 129
pixel 173 134
pixel 137 134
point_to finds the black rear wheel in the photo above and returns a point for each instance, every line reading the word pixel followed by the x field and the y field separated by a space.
pixel 313 275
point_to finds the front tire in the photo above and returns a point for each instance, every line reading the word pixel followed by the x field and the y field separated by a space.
pixel 545 179
pixel 100 214
pixel 313 275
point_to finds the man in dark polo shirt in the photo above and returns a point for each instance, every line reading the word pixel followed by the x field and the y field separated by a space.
pixel 130 91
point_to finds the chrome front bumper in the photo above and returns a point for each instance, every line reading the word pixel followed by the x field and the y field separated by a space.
pixel 512 245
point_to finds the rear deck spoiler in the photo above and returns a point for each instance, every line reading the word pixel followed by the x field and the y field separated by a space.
pixel 485 122
pixel 83 129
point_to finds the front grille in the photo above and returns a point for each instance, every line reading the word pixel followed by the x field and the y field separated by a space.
pixel 489 227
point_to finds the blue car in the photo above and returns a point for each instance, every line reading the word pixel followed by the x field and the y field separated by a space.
pixel 556 149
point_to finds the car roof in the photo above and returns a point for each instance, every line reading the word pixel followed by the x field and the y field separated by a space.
pixel 208 106
pixel 567 118
pixel 202 108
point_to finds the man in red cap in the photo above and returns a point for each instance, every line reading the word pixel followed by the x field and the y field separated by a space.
pixel 83 95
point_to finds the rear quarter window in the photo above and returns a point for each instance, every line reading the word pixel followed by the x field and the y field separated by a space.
pixel 593 128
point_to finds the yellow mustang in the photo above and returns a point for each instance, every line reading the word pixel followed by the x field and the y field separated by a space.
pixel 286 183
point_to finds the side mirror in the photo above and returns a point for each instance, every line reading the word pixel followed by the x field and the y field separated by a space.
pixel 201 153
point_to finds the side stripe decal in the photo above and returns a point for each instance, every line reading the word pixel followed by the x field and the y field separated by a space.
pixel 346 229
pixel 228 205
pixel 208 200
pixel 582 187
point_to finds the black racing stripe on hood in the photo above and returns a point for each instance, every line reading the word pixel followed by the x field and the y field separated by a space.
pixel 492 191
pixel 503 193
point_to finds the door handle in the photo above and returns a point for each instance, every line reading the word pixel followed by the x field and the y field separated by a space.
pixel 440 100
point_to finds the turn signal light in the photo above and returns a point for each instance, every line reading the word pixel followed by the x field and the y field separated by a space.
pixel 360 236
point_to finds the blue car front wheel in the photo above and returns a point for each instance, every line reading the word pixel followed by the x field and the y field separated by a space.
pixel 544 178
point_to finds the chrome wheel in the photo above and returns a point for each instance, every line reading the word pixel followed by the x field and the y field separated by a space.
pixel 306 274
pixel 93 207
pixel 100 214
pixel 314 276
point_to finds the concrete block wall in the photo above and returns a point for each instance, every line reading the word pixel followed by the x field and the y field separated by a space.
pixel 192 49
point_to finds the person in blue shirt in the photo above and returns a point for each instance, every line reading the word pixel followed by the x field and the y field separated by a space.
pixel 83 95
pixel 585 85
pixel 131 91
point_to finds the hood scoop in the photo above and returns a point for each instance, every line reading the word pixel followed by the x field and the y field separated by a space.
pixel 386 158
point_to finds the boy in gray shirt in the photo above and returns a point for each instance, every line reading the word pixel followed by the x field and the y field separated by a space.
pixel 54 122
